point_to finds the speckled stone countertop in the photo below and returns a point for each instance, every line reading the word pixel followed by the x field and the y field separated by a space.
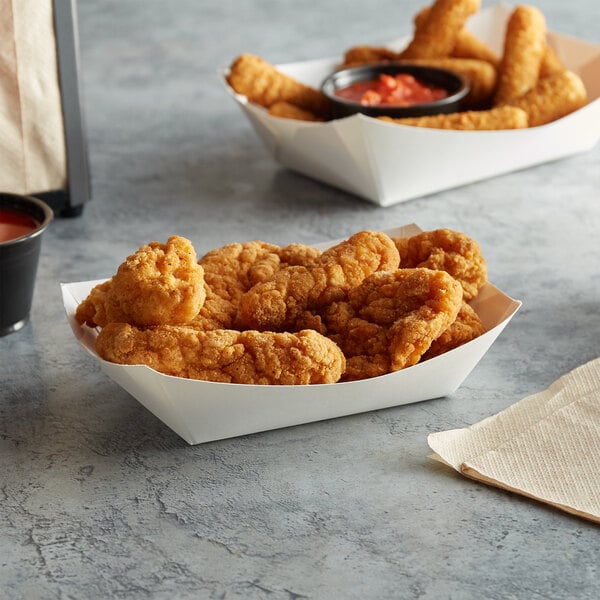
pixel 99 499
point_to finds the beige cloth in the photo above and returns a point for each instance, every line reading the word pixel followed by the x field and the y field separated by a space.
pixel 547 446
pixel 32 142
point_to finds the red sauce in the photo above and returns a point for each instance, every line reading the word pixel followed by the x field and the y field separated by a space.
pixel 14 224
pixel 395 90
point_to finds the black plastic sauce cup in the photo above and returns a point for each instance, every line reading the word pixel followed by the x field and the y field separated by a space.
pixel 456 87
pixel 19 261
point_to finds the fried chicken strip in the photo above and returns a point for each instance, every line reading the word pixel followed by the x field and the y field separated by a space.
pixel 263 84
pixel 276 303
pixel 436 35
pixel 466 44
pixel 465 328
pixel 501 117
pixel 247 357
pixel 391 319
pixel 524 48
pixel 446 250
pixel 553 97
pixel 158 284
pixel 231 270
pixel 227 276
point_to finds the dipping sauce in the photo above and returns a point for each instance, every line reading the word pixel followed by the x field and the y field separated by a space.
pixel 392 90
pixel 14 224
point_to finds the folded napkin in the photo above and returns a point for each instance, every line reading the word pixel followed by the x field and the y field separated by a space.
pixel 32 142
pixel 546 447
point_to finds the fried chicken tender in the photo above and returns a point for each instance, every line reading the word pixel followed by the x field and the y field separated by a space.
pixel 230 271
pixel 554 97
pixel 436 35
pixel 466 44
pixel 275 304
pixel 551 63
pixel 446 250
pixel 265 85
pixel 158 284
pixel 248 357
pixel 465 328
pixel 286 256
pixel 227 275
pixel 501 117
pixel 364 55
pixel 524 48
pixel 390 320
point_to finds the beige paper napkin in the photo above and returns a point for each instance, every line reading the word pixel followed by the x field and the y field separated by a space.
pixel 546 447
pixel 32 142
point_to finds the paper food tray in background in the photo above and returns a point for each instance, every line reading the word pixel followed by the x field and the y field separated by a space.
pixel 388 163
pixel 202 411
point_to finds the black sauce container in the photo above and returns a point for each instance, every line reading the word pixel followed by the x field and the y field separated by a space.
pixel 455 85
pixel 19 260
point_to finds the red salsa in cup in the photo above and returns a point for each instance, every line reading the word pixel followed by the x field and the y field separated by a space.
pixel 14 224
pixel 392 90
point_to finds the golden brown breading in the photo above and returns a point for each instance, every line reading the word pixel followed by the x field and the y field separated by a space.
pixel 436 35
pixel 275 304
pixel 263 84
pixel 446 250
pixel 227 273
pixel 287 110
pixel 465 328
pixel 230 271
pixel 554 96
pixel 391 319
pixel 466 44
pixel 248 357
pixel 287 256
pixel 501 117
pixel 364 55
pixel 158 284
pixel 551 63
pixel 524 47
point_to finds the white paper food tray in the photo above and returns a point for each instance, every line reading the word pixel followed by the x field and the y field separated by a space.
pixel 388 163
pixel 201 411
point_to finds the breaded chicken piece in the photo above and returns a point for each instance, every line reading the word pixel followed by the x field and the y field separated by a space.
pixel 275 303
pixel 524 49
pixel 248 357
pixel 232 270
pixel 466 44
pixel 227 276
pixel 286 256
pixel 158 284
pixel 553 97
pixel 264 84
pixel 465 328
pixel 494 119
pixel 435 35
pixel 446 250
pixel 391 319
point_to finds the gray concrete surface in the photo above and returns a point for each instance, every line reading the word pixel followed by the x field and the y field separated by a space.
pixel 99 499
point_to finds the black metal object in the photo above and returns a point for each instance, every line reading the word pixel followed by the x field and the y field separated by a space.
pixel 70 202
